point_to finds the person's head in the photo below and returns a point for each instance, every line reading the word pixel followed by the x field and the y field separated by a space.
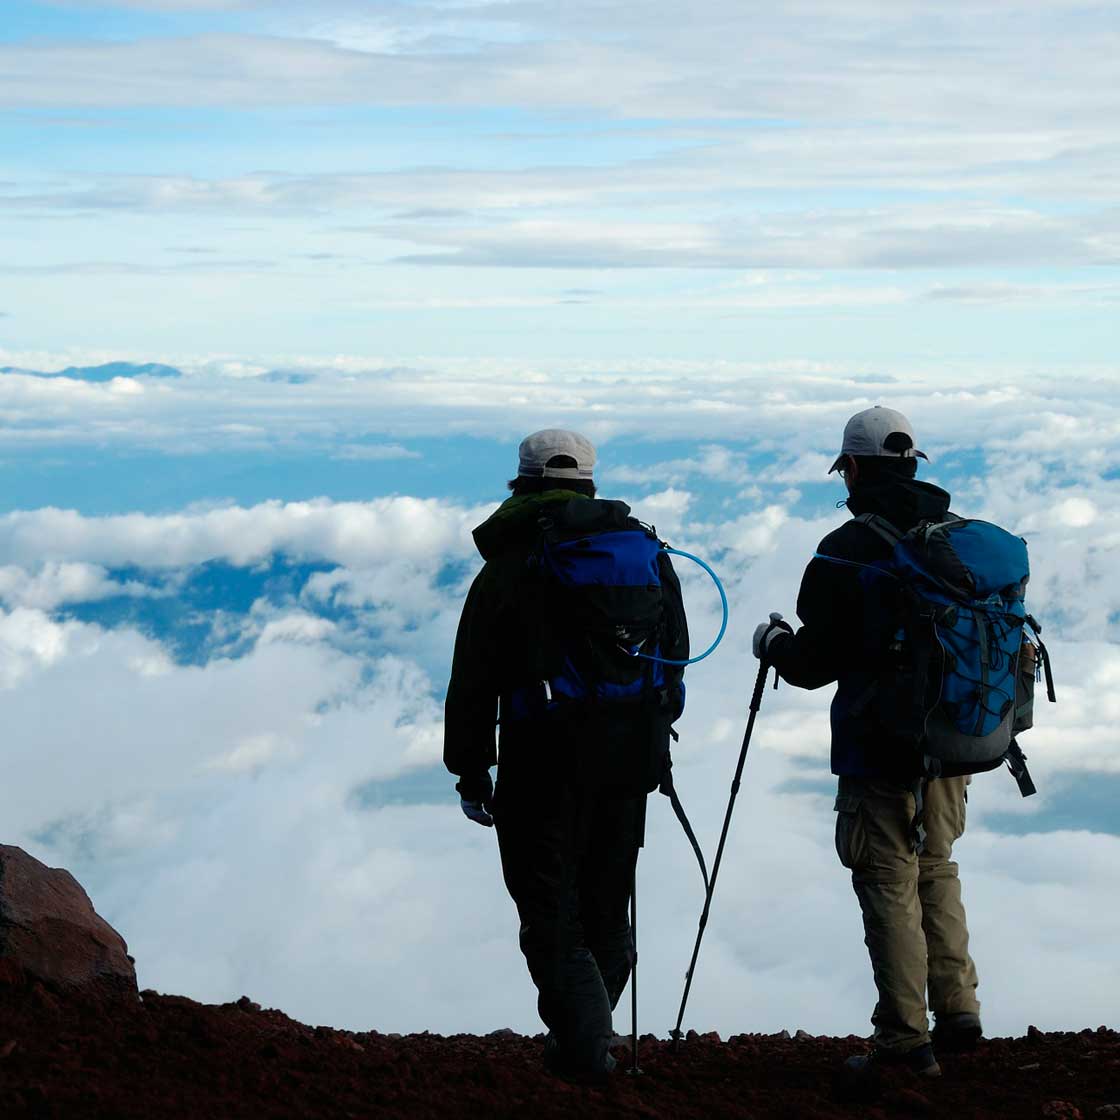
pixel 555 459
pixel 878 446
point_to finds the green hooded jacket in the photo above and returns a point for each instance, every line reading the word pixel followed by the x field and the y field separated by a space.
pixel 490 635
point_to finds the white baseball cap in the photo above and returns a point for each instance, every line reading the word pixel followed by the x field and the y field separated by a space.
pixel 536 451
pixel 878 431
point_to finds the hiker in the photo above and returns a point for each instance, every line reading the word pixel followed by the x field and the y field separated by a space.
pixel 574 765
pixel 908 889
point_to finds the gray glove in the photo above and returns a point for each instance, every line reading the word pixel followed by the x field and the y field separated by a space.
pixel 764 634
pixel 476 798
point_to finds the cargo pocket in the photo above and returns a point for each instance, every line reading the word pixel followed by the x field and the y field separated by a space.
pixel 851 837
pixel 946 808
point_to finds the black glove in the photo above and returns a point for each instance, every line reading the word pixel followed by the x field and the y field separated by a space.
pixel 476 797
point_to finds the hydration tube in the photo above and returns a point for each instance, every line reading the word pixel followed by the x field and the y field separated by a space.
pixel 723 625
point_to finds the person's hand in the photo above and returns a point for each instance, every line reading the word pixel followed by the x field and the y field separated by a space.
pixel 476 798
pixel 477 811
pixel 765 632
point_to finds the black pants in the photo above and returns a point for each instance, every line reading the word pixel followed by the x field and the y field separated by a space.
pixel 568 858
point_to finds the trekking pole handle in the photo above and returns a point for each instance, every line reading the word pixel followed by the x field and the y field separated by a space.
pixel 760 685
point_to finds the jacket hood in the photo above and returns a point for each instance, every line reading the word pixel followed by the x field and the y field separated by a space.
pixel 513 525
pixel 904 502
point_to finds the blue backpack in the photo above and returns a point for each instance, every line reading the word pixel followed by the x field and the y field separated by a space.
pixel 963 654
pixel 601 616
pixel 605 673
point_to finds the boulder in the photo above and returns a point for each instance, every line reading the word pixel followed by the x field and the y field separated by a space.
pixel 50 931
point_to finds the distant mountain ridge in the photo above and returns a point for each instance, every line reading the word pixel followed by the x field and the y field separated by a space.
pixel 102 373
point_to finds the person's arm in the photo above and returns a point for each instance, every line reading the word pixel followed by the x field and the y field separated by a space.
pixel 471 707
pixel 816 653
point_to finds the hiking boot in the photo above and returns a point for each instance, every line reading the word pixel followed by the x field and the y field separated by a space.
pixel 859 1079
pixel 559 1066
pixel 958 1032
pixel 920 1061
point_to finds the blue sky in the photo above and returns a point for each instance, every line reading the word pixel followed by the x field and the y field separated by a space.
pixel 380 242
pixel 259 179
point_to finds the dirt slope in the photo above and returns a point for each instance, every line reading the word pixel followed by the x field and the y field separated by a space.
pixel 166 1056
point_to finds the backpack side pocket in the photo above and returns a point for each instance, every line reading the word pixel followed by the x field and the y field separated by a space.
pixel 1025 677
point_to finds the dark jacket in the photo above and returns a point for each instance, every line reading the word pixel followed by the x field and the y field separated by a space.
pixel 495 646
pixel 846 628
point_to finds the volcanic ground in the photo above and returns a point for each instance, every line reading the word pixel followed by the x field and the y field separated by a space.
pixel 75 1056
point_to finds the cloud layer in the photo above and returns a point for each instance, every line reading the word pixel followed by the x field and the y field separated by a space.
pixel 298 772
pixel 347 404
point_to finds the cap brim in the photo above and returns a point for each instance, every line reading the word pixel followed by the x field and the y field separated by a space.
pixel 914 454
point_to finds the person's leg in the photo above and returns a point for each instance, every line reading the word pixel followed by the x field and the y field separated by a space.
pixel 540 837
pixel 606 878
pixel 873 842
pixel 952 973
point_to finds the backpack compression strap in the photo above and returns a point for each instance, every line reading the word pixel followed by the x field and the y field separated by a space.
pixel 1044 657
pixel 1017 764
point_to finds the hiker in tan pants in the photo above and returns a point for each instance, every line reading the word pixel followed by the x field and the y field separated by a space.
pixel 906 882
pixel 913 919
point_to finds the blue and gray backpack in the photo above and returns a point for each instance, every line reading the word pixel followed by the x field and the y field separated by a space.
pixel 963 654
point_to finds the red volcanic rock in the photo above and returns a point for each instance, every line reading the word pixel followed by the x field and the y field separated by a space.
pixel 167 1057
pixel 1061 1110
pixel 50 932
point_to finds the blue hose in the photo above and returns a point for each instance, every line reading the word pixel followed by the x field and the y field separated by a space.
pixel 723 625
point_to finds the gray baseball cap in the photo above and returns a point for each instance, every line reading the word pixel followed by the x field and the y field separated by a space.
pixel 536 450
pixel 878 431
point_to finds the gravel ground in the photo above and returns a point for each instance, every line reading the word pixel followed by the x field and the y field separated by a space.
pixel 166 1056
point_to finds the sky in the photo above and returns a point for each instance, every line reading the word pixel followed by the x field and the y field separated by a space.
pixel 368 246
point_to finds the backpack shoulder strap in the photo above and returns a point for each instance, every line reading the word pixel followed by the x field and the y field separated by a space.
pixel 881 527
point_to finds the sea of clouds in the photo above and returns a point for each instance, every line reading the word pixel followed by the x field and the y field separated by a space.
pixel 262 810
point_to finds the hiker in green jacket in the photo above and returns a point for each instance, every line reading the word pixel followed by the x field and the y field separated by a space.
pixel 568 837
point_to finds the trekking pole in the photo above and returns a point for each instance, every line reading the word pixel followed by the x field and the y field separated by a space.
pixel 634 975
pixel 756 703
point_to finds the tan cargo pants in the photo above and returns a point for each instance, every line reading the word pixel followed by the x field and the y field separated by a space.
pixel 913 917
